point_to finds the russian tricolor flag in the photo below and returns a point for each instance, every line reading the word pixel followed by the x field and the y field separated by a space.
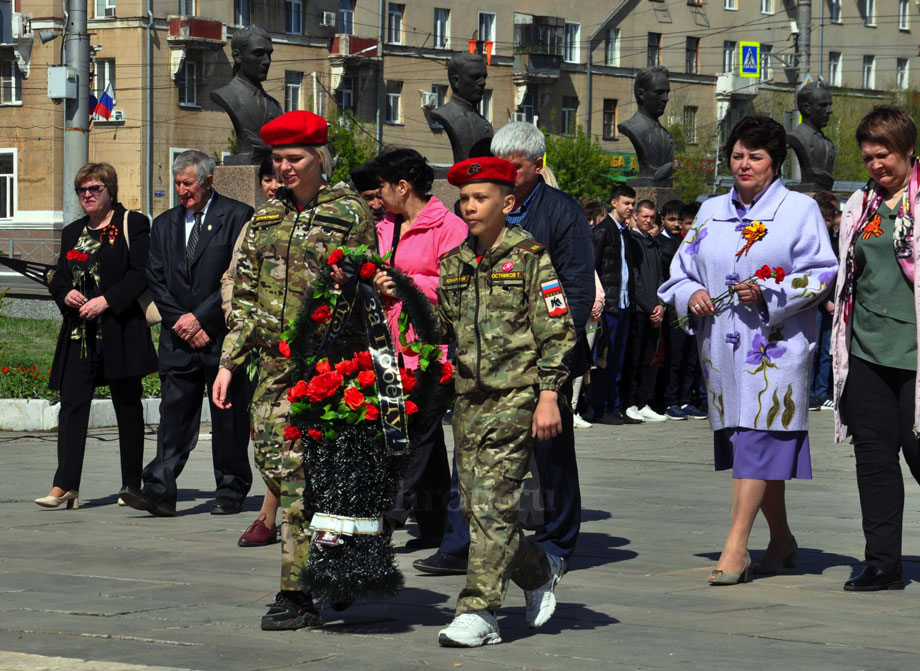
pixel 105 104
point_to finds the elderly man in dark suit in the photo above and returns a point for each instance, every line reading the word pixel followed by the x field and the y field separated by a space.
pixel 190 248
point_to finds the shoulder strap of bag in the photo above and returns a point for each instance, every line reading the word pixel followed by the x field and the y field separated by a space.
pixel 125 227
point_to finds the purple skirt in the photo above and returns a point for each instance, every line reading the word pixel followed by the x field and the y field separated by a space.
pixel 763 455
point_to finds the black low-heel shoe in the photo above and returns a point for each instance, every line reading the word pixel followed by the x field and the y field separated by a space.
pixel 872 579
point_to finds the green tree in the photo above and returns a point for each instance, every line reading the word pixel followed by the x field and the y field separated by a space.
pixel 579 164
pixel 351 144
pixel 693 169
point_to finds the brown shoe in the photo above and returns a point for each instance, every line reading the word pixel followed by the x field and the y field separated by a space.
pixel 258 534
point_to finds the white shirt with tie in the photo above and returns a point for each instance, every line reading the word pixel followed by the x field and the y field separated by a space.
pixel 190 217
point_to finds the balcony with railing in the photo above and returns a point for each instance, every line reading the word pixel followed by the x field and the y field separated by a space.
pixel 538 48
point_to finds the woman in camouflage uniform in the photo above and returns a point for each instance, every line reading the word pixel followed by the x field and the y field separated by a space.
pixel 285 250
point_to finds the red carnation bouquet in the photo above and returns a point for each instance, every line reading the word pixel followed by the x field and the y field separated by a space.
pixel 763 274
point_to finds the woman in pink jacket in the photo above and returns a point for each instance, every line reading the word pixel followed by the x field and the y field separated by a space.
pixel 418 230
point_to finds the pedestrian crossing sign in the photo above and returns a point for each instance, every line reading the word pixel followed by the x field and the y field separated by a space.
pixel 750 59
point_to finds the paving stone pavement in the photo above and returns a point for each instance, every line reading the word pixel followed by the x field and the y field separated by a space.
pixel 106 588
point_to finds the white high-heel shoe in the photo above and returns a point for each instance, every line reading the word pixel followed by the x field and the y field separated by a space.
pixel 71 498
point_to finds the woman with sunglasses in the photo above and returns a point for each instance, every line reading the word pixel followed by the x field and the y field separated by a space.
pixel 104 338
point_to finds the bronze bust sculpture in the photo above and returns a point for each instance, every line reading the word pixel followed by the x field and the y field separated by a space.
pixel 815 152
pixel 653 144
pixel 469 133
pixel 244 99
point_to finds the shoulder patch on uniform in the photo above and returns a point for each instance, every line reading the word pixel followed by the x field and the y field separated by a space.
pixel 530 246
pixel 267 219
pixel 455 281
pixel 554 298
pixel 453 252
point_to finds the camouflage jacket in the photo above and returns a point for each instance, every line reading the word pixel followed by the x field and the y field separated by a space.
pixel 282 254
pixel 508 314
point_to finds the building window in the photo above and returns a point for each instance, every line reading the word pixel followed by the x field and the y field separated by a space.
pixel 612 48
pixel 527 108
pixel 345 17
pixel 868 79
pixel 10 83
pixel 731 4
pixel 293 83
pixel 571 47
pixel 729 50
pixel 610 119
pixel 105 75
pixel 692 57
pixel 105 9
pixel 690 124
pixel 869 13
pixel 487 27
pixel 766 61
pixel 394 102
pixel 903 73
pixel 903 14
pixel 834 6
pixel 293 17
pixel 395 13
pixel 834 77
pixel 242 12
pixel 7 183
pixel 654 49
pixel 345 94
pixel 569 108
pixel 187 79
pixel 766 6
pixel 485 105
pixel 188 7
pixel 441 28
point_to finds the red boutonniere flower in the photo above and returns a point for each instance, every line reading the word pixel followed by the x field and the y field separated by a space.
pixel 323 366
pixel 408 380
pixel 366 378
pixel 372 412
pixel 292 433
pixel 368 270
pixel 323 386
pixel 354 399
pixel 336 257
pixel 297 392
pixel 363 360
pixel 315 434
pixel 411 408
pixel 346 367
pixel 447 372
pixel 322 314
pixel 285 349
pixel 110 234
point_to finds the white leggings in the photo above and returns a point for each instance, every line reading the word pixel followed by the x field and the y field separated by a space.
pixel 591 329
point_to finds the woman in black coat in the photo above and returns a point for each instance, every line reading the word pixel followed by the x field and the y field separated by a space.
pixel 104 337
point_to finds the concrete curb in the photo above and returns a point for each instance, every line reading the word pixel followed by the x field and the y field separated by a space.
pixel 41 415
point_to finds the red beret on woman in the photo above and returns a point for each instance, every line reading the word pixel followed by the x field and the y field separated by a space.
pixel 298 128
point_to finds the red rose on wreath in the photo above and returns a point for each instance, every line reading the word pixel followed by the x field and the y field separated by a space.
pixel 336 257
pixel 346 367
pixel 297 392
pixel 366 378
pixel 292 433
pixel 363 360
pixel 285 349
pixel 368 270
pixel 322 314
pixel 408 380
pixel 779 273
pixel 323 366
pixel 354 399
pixel 764 273
pixel 323 386
pixel 411 408
pixel 315 434
pixel 447 372
pixel 372 412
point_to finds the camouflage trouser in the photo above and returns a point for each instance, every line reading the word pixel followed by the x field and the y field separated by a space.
pixel 492 447
pixel 280 462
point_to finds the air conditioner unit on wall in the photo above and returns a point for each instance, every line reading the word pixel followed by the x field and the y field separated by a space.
pixel 327 20
pixel 429 99
pixel 117 115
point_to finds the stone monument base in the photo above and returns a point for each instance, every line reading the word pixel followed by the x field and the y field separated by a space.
pixel 657 194
pixel 240 182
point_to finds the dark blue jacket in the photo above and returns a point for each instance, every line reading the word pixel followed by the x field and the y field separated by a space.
pixel 556 221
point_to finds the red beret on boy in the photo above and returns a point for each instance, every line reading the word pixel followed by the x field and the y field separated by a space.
pixel 482 169
pixel 299 128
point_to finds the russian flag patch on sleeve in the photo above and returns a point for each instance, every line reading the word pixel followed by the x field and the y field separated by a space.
pixel 554 298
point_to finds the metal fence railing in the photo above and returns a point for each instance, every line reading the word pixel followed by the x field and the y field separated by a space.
pixel 36 249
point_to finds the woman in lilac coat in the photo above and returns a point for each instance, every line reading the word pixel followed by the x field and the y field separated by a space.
pixel 756 348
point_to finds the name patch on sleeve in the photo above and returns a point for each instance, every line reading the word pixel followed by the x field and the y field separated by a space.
pixel 554 298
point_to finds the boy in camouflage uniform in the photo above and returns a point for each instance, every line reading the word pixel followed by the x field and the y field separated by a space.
pixel 285 249
pixel 499 297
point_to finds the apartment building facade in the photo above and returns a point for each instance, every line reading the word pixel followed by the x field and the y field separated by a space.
pixel 558 63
